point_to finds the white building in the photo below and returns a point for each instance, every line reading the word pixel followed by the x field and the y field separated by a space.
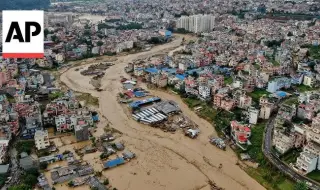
pixel 197 23
pixel 307 162
pixel 41 139
pixel 237 84
pixel 308 80
pixel 278 83
pixel 204 92
pixel 282 142
pixel 253 115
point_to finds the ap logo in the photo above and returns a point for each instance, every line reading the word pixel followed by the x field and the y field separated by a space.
pixel 22 34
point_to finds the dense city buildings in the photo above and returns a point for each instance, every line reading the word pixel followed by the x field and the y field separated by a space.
pixel 249 70
pixel 196 23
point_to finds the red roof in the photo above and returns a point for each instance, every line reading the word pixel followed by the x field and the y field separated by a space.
pixel 81 122
pixel 242 138
pixel 247 129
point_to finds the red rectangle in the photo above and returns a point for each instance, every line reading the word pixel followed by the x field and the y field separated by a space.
pixel 23 55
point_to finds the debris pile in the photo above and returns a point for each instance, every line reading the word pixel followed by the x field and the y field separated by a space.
pixel 218 142
pixel 96 69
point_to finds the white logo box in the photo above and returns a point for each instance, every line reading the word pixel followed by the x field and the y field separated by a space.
pixel 16 49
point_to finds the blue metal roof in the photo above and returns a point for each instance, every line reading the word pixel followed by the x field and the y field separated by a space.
pixel 139 93
pixel 193 70
pixel 169 70
pixel 113 163
pixel 138 103
pixel 151 70
pixel 180 77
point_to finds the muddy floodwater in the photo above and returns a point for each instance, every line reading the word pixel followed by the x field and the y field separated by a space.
pixel 164 160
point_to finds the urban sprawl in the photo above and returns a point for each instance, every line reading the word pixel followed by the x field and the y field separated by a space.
pixel 130 93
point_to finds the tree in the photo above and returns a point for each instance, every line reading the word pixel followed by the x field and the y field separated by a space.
pixel 87 32
pixel 195 75
pixel 30 180
pixel 70 184
pixel 43 165
pixel 46 32
pixel 99 43
pixel 106 182
pixel 54 38
pixel 301 186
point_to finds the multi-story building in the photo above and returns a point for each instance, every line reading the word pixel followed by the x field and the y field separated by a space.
pixel 81 131
pixel 307 162
pixel 265 111
pixel 197 23
pixel 204 92
pixel 278 83
pixel 309 80
pixel 240 132
pixel 41 139
pixel 283 142
pixel 244 101
pixel 253 115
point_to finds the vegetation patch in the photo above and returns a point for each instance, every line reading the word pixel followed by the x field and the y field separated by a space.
pixel 256 139
pixel 25 146
pixel 304 88
pixel 291 156
pixel 315 175
pixel 228 80
pixel 257 94
pixel 89 99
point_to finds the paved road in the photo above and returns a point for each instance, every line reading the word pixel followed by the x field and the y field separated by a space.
pixel 267 150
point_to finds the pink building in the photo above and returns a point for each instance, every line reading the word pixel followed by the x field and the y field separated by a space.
pixel 240 132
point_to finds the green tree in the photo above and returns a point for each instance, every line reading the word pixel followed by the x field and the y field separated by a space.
pixel 43 165
pixel 20 187
pixel 54 38
pixel 70 183
pixel 106 182
pixel 30 180
pixel 99 43
pixel 301 186
pixel 46 32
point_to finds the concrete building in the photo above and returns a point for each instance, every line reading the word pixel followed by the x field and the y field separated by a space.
pixel 265 111
pixel 197 23
pixel 244 101
pixel 204 92
pixel 253 115
pixel 41 139
pixel 282 142
pixel 278 83
pixel 309 80
pixel 240 132
pixel 307 162
pixel 81 131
